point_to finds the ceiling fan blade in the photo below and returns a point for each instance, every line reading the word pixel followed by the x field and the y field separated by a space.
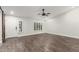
pixel 48 13
pixel 43 13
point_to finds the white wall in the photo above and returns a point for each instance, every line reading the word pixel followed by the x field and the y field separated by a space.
pixel 66 24
pixel 11 23
pixel 28 27
pixel 10 26
pixel 0 28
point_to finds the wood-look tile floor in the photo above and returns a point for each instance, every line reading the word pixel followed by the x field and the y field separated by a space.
pixel 41 43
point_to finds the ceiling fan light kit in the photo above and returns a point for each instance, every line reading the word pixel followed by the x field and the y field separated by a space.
pixel 44 13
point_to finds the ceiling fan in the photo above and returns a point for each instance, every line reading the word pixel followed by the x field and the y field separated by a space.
pixel 44 13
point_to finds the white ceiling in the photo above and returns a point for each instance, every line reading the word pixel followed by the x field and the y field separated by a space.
pixel 32 11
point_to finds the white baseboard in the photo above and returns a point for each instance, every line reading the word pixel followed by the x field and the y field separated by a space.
pixel 65 35
pixel 23 35
pixel 43 32
pixel 30 34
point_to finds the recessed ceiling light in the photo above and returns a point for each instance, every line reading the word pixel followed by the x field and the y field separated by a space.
pixel 11 12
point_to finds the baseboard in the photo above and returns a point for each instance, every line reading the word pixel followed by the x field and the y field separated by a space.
pixel 30 34
pixel 23 35
pixel 47 33
pixel 76 37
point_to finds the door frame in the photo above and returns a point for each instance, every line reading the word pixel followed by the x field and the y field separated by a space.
pixel 3 26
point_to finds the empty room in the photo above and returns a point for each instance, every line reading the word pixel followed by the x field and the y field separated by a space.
pixel 39 29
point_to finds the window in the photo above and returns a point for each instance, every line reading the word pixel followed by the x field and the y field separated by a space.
pixel 20 26
pixel 37 26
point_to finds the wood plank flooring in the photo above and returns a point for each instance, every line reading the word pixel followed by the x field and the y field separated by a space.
pixel 41 43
